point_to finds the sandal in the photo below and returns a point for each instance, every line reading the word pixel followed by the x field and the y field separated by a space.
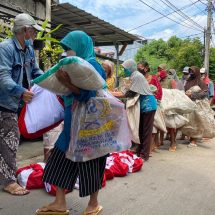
pixel 191 145
pixel 172 148
pixel 50 211
pixel 94 212
pixel 16 189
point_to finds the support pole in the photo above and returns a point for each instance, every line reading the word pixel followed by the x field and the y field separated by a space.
pixel 208 36
pixel 117 64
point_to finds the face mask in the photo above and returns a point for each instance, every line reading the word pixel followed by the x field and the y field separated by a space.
pixel 70 53
pixel 142 71
pixel 203 77
pixel 192 76
pixel 29 42
pixel 127 72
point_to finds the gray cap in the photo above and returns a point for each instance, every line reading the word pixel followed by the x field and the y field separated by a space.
pixel 25 20
pixel 186 69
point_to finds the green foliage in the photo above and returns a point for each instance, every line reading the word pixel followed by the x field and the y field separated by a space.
pixel 154 53
pixel 175 53
pixel 212 64
pixel 52 49
pixel 6 29
pixel 42 35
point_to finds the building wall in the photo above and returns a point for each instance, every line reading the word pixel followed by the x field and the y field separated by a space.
pixel 35 8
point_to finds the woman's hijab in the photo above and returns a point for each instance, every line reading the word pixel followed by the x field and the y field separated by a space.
pixel 173 75
pixel 79 42
pixel 138 82
pixel 195 79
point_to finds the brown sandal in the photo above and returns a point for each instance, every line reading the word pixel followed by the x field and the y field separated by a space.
pixel 172 148
pixel 16 189
pixel 94 212
pixel 49 210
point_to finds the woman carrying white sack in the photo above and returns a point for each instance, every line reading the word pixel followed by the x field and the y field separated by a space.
pixel 59 170
pixel 201 120
pixel 140 89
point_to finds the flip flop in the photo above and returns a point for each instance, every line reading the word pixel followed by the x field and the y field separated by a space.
pixel 172 149
pixel 51 212
pixel 94 212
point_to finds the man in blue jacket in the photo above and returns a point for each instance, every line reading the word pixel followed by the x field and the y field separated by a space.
pixel 18 66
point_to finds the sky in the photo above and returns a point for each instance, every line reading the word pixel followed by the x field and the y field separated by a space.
pixel 129 14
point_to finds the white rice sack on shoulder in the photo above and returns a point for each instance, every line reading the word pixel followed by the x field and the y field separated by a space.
pixel 175 101
pixel 82 74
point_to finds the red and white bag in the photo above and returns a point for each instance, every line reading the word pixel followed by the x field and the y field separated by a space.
pixel 42 114
pixel 134 163
pixel 30 177
pixel 116 167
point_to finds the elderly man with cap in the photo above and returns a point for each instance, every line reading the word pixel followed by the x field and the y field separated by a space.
pixel 185 75
pixel 18 66
pixel 208 82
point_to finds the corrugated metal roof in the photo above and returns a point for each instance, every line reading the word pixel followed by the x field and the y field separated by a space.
pixel 73 18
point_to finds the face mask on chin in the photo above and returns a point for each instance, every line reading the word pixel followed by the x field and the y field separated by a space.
pixel 70 53
pixel 191 76
pixel 127 72
pixel 29 42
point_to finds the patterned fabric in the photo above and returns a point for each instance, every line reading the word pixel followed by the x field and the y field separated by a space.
pixel 111 83
pixel 147 103
pixel 63 173
pixel 9 140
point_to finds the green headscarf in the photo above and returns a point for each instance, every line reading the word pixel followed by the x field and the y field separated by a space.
pixel 79 42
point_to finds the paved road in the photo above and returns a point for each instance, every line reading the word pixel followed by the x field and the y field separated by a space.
pixel 180 183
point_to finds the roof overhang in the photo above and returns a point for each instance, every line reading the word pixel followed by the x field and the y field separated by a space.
pixel 102 33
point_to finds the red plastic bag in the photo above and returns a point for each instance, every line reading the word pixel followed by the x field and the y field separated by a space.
pixel 30 177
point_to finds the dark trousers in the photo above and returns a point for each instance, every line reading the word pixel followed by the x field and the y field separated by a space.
pixel 145 133
pixel 63 173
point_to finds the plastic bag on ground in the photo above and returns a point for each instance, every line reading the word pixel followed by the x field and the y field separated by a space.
pixel 30 177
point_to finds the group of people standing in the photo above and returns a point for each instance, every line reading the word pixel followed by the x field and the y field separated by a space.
pixel 18 66
pixel 149 135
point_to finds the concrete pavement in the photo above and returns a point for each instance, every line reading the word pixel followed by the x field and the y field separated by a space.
pixel 180 183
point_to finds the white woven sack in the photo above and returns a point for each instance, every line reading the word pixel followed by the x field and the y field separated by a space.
pixel 82 74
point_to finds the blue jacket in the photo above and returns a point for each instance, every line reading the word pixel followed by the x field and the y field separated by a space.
pixel 13 60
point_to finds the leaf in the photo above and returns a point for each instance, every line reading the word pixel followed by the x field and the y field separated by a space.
pixel 40 33
pixel 51 39
pixel 45 23
pixel 55 29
